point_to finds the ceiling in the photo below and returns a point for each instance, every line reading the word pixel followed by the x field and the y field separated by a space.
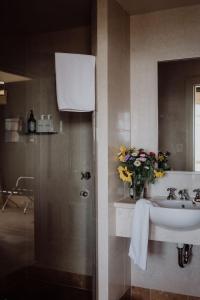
pixel 134 7
pixel 33 16
pixel 27 16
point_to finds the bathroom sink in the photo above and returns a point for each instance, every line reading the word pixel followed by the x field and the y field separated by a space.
pixel 180 215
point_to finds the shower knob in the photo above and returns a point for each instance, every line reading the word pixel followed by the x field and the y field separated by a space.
pixel 84 194
pixel 85 175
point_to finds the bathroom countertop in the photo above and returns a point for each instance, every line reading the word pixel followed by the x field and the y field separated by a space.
pixel 125 203
pixel 129 203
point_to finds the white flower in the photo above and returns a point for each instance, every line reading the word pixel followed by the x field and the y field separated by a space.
pixel 135 154
pixel 137 163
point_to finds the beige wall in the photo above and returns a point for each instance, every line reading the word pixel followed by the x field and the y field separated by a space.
pixel 159 36
pixel 113 117
pixel 102 149
pixel 118 134
pixel 167 35
pixel 63 221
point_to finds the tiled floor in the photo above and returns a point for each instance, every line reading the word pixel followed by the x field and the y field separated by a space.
pixel 24 289
pixel 147 294
pixel 16 240
pixel 48 292
pixel 19 282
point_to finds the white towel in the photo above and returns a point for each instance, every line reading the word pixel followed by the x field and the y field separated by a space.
pixel 75 82
pixel 140 233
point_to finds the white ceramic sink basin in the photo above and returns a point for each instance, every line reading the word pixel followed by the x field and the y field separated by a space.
pixel 178 215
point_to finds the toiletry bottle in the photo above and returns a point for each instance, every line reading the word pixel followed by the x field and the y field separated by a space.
pixel 50 123
pixel 31 124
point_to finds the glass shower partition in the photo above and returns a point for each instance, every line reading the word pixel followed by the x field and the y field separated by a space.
pixel 49 249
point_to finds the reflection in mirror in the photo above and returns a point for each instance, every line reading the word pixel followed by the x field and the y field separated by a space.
pixel 179 112
pixel 197 126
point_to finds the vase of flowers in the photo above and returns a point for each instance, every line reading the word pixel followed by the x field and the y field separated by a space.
pixel 163 163
pixel 138 168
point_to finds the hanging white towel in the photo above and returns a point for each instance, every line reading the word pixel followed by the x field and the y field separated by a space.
pixel 75 82
pixel 140 233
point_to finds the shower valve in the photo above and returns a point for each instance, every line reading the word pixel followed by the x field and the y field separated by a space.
pixel 85 175
pixel 84 194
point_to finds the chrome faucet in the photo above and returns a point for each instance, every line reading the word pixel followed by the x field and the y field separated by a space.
pixel 172 195
pixel 197 196
pixel 184 195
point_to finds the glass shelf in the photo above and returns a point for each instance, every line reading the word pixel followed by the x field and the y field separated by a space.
pixel 42 133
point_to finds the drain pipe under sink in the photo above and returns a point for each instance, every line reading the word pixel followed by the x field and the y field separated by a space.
pixel 184 254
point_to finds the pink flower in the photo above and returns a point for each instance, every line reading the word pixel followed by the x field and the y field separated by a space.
pixel 142 159
pixel 152 154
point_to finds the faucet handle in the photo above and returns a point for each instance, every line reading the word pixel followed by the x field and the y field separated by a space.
pixel 171 191
pixel 184 194
pixel 197 196
pixel 181 193
pixel 197 191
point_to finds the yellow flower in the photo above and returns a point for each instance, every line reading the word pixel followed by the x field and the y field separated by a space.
pixel 161 157
pixel 124 174
pixel 121 158
pixel 159 174
pixel 122 153
pixel 123 150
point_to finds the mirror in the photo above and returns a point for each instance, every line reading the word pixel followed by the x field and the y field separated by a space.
pixel 179 113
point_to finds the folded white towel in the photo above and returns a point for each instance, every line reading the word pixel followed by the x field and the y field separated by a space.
pixel 75 82
pixel 140 233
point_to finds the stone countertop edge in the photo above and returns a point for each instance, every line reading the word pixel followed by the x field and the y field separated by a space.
pixel 129 203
